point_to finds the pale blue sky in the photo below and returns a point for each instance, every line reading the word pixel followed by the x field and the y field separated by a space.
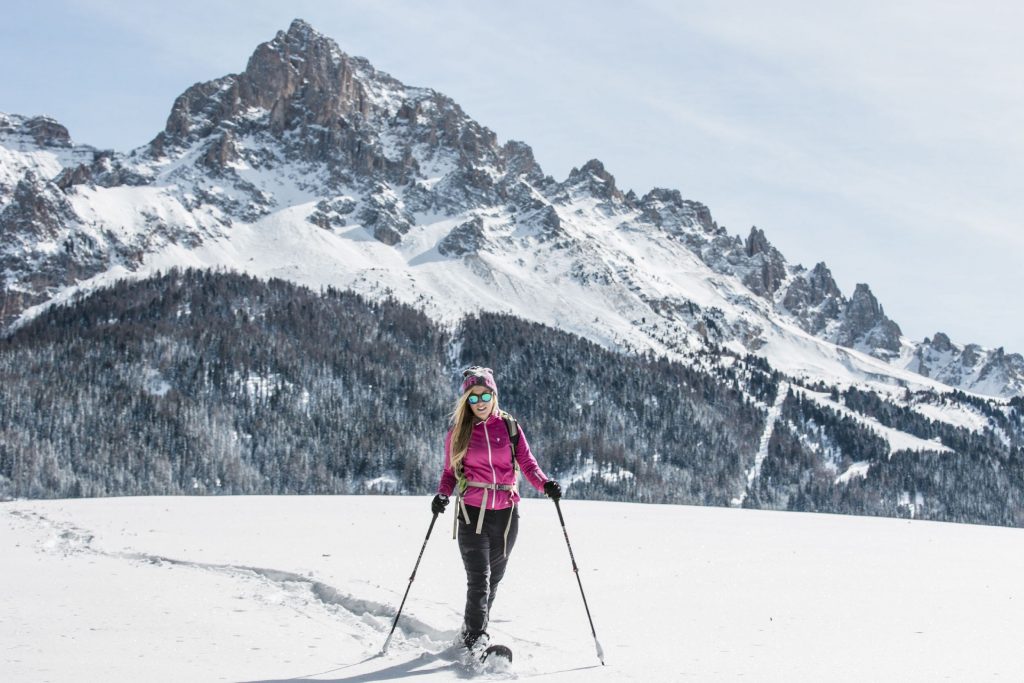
pixel 884 138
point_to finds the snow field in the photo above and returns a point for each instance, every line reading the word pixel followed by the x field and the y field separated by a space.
pixel 278 588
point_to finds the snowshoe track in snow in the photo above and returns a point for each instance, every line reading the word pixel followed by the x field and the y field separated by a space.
pixel 292 589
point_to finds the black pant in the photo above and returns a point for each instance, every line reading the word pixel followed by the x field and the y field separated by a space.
pixel 485 556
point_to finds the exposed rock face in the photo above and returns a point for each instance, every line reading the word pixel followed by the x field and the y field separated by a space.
pixel 755 261
pixel 863 325
pixel 814 299
pixel 299 79
pixel 46 147
pixel 768 265
pixel 386 215
pixel 594 180
pixel 105 170
pixel 467 238
pixel 40 249
pixel 39 211
pixel 970 366
pixel 43 130
pixel 302 82
pixel 668 210
pixel 940 343
pixel 351 126
pixel 42 245
pixel 332 213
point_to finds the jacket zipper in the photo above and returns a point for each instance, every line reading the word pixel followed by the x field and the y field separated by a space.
pixel 490 461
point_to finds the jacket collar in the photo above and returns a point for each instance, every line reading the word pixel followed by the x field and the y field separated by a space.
pixel 489 421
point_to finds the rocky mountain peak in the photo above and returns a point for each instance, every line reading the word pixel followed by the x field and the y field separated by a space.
pixel 666 208
pixel 757 242
pixel 596 179
pixel 940 342
pixel 302 75
pixel 300 33
pixel 822 283
pixel 298 77
pixel 302 100
pixel 864 325
pixel 519 160
pixel 814 298
pixel 864 304
pixel 769 265
pixel 988 371
pixel 42 130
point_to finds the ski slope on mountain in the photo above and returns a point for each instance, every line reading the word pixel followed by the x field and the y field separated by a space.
pixel 261 589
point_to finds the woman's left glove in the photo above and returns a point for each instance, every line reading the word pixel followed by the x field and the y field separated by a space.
pixel 439 503
pixel 552 490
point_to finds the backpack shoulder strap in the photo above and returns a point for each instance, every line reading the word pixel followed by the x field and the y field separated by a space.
pixel 512 425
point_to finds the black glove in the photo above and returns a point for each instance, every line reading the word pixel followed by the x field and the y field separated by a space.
pixel 439 503
pixel 552 490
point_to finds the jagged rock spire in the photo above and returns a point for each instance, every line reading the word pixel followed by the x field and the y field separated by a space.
pixel 299 76
pixel 865 325
pixel 770 265
pixel 594 178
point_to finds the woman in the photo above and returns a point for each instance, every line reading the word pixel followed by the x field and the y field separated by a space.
pixel 483 453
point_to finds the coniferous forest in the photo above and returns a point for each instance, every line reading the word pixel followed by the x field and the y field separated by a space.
pixel 200 382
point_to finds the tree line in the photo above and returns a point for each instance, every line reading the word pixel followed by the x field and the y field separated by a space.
pixel 204 382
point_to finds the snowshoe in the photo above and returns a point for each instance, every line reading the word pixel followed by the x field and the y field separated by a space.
pixel 497 652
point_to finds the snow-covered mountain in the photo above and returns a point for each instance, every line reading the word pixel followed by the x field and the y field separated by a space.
pixel 313 166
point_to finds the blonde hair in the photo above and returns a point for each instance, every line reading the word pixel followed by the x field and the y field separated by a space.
pixel 462 421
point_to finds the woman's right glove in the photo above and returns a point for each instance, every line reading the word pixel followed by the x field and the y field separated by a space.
pixel 552 490
pixel 439 503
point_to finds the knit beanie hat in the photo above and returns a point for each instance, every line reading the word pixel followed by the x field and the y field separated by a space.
pixel 478 376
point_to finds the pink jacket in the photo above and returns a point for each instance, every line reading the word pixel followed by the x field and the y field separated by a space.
pixel 489 460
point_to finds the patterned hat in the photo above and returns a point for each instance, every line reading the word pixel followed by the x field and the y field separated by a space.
pixel 478 376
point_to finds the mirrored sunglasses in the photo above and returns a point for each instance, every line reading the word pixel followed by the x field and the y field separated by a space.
pixel 476 398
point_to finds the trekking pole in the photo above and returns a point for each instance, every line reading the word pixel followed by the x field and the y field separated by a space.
pixel 384 649
pixel 576 570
